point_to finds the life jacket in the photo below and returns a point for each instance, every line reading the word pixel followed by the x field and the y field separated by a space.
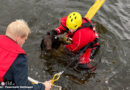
pixel 91 44
pixel 9 50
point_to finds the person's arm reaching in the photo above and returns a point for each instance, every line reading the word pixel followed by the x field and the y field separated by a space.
pixel 20 71
pixel 60 29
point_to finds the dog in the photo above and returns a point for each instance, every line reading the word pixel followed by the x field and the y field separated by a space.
pixel 50 43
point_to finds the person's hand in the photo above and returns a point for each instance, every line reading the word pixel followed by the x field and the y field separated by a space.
pixel 47 85
pixel 66 40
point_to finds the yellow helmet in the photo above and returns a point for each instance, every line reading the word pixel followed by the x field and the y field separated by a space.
pixel 74 20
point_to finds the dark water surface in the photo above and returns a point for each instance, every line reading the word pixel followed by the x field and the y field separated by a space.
pixel 113 24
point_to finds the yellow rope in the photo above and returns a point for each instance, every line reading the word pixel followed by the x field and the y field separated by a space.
pixel 56 77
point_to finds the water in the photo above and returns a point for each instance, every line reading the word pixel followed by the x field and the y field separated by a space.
pixel 113 24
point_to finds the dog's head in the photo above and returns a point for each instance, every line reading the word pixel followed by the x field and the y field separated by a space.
pixel 50 42
pixel 46 44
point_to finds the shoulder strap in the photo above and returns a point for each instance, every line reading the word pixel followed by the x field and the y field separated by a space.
pixel 88 24
pixel 66 29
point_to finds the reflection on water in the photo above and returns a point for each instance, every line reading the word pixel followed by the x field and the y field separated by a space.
pixel 112 22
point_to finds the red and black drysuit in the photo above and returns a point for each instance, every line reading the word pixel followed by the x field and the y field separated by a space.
pixel 82 37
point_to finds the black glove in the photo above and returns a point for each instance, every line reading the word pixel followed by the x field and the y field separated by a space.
pixel 52 32
pixel 82 66
pixel 94 51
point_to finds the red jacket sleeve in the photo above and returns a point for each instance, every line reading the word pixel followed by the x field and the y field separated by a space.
pixel 62 26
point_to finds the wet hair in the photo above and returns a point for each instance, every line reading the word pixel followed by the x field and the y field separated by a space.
pixel 18 28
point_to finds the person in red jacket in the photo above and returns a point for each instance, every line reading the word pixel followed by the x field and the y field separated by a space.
pixel 81 33
pixel 13 61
